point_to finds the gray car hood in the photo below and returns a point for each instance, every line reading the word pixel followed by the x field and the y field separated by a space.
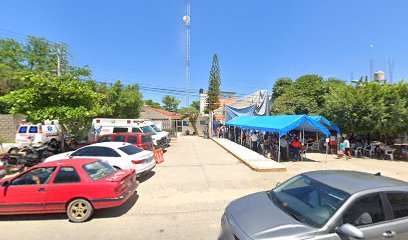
pixel 260 218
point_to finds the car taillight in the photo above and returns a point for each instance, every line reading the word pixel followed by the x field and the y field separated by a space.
pixel 98 121
pixel 1 168
pixel 129 122
pixel 138 161
pixel 121 187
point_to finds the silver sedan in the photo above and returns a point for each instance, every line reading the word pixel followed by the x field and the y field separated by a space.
pixel 322 205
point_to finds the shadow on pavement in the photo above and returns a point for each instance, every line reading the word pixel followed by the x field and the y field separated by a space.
pixel 100 213
pixel 117 211
pixel 146 176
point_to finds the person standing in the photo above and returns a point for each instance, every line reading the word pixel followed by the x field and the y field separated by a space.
pixel 254 141
pixel 347 148
pixel 296 148
pixel 283 148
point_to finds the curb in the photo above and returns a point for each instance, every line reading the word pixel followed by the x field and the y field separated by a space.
pixel 248 164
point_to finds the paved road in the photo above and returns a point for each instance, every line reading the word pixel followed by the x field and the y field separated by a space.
pixel 184 198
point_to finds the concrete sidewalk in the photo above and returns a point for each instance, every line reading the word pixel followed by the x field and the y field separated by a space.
pixel 250 158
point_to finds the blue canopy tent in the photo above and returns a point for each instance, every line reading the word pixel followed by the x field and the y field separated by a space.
pixel 329 125
pixel 278 124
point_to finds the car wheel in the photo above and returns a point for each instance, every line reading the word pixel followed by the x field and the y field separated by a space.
pixel 79 210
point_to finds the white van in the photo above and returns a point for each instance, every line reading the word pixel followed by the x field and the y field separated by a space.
pixel 102 126
pixel 45 131
pixel 162 134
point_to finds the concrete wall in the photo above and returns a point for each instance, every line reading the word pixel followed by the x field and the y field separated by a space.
pixel 8 127
pixel 200 126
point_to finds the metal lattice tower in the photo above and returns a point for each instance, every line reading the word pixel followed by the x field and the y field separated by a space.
pixel 186 20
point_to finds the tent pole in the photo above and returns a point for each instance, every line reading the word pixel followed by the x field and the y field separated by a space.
pixel 241 136
pixel 303 135
pixel 279 148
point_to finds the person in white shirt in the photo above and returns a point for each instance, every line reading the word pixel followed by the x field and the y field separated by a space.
pixel 347 145
pixel 283 148
pixel 254 141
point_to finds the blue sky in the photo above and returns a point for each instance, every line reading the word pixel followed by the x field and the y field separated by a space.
pixel 257 41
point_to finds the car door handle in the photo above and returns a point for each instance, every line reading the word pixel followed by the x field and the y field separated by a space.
pixel 41 190
pixel 389 234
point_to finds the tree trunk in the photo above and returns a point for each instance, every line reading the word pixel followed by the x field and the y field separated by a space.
pixel 193 122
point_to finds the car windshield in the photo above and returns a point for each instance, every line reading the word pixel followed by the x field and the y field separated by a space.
pixel 155 128
pixel 98 170
pixel 307 200
pixel 130 149
pixel 148 129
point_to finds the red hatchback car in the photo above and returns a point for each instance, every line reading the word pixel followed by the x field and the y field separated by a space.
pixel 76 187
pixel 140 140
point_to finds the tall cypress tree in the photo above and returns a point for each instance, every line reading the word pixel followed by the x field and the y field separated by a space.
pixel 214 83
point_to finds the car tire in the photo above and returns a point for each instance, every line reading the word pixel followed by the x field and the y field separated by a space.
pixel 79 210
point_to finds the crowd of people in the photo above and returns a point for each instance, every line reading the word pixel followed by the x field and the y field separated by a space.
pixel 265 143
pixel 292 146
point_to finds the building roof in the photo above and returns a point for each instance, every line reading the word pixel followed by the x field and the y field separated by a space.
pixel 169 114
pixel 352 181
pixel 227 101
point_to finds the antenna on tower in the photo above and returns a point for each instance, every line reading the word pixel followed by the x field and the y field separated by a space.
pixel 391 69
pixel 186 20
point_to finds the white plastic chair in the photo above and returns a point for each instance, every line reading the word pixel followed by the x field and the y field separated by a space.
pixel 370 149
pixel 358 151
pixel 389 152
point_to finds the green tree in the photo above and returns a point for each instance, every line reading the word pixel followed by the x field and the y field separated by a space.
pixel 122 101
pixel 304 96
pixel 37 56
pixel 191 113
pixel 170 103
pixel 196 105
pixel 214 84
pixel 11 53
pixel 152 104
pixel 48 97
pixel 280 87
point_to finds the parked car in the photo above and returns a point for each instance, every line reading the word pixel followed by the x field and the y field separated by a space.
pixel 118 154
pixel 141 140
pixel 322 205
pixel 76 187
pixel 48 130
pixel 103 126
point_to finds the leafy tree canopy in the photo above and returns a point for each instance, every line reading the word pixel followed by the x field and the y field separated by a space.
pixel 152 104
pixel 170 103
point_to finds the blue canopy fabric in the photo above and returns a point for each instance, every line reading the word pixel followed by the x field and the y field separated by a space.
pixel 231 112
pixel 278 124
pixel 329 125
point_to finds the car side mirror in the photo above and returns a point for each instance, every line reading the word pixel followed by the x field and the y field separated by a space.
pixel 5 184
pixel 350 231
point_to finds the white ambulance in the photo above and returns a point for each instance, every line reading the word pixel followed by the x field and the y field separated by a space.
pixel 102 126
pixel 29 133
pixel 163 134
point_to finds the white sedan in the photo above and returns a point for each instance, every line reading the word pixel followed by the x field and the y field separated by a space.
pixel 118 154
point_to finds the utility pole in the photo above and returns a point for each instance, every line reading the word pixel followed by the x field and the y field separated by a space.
pixel 371 62
pixel 58 46
pixel 186 20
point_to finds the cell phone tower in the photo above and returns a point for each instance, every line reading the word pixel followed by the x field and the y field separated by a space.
pixel 186 20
